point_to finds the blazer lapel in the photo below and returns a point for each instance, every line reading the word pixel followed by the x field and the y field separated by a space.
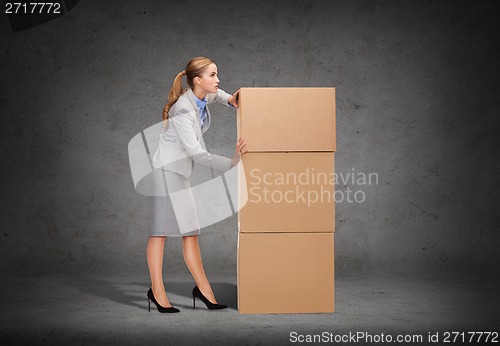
pixel 207 120
pixel 191 98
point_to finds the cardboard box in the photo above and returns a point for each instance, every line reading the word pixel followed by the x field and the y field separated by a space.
pixel 287 119
pixel 286 192
pixel 285 273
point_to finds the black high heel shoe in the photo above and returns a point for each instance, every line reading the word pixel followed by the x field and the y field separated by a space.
pixel 208 303
pixel 160 308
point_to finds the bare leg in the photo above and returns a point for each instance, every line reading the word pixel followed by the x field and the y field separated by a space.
pixel 192 257
pixel 156 246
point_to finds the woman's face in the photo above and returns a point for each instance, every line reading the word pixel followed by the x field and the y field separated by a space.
pixel 208 80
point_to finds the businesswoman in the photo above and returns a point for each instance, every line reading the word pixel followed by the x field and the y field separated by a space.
pixel 186 117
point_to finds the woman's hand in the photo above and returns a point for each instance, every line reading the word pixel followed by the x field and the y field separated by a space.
pixel 240 150
pixel 234 98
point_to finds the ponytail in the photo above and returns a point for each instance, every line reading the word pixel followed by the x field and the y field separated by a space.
pixel 193 69
pixel 175 92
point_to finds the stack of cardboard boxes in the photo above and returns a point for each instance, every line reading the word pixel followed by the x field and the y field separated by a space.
pixel 286 227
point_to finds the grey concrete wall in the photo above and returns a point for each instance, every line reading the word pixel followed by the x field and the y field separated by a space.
pixel 417 103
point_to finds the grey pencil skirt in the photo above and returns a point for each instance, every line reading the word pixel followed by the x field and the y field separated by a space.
pixel 173 213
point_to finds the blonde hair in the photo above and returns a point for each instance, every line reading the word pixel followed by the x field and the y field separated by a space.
pixel 193 69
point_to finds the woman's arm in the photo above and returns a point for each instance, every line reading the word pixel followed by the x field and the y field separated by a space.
pixel 183 125
pixel 222 97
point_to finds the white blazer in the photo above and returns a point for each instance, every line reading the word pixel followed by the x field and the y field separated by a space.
pixel 181 142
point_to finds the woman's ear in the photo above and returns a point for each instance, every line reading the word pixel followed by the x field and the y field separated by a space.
pixel 197 80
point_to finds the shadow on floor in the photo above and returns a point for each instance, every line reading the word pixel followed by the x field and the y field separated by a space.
pixel 133 293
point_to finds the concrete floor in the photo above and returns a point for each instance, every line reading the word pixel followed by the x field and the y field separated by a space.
pixel 113 310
